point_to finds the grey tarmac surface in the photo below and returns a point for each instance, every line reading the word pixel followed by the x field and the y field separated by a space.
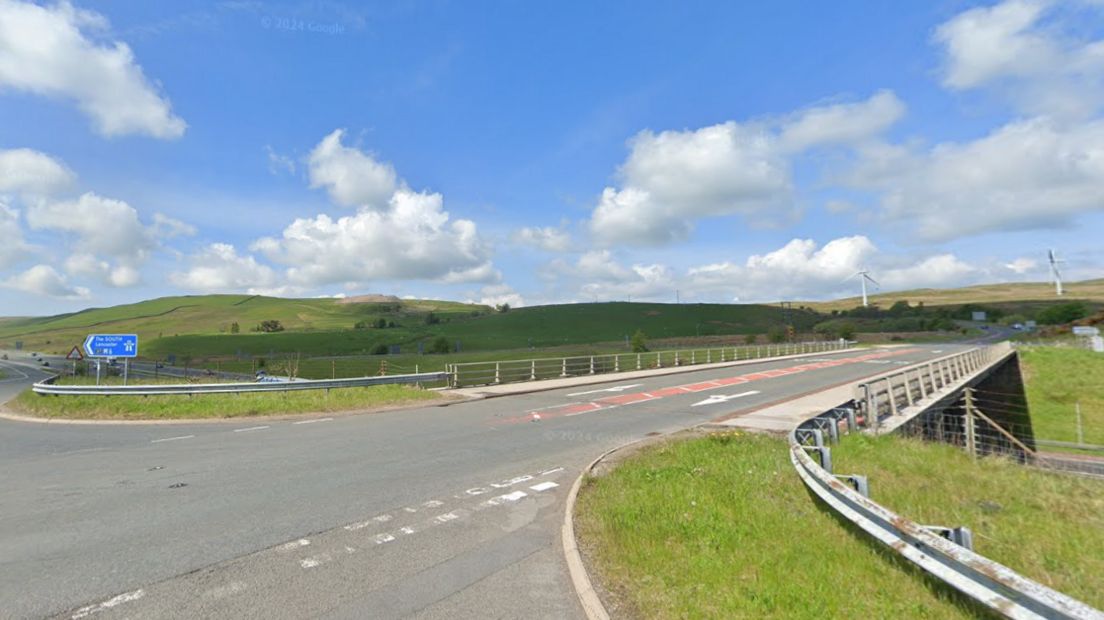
pixel 436 512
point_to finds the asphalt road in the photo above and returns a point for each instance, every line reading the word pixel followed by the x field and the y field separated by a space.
pixel 437 512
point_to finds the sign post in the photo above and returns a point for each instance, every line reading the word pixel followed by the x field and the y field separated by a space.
pixel 75 356
pixel 112 345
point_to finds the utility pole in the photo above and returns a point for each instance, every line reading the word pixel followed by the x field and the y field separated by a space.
pixel 971 441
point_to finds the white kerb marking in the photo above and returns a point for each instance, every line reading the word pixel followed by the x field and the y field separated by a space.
pixel 251 428
pixel 84 612
pixel 313 421
pixel 173 438
pixel 544 486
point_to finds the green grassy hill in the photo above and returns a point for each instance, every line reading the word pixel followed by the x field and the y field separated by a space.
pixel 200 327
pixel 1023 298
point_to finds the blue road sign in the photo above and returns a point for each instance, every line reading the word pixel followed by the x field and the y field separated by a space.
pixel 112 345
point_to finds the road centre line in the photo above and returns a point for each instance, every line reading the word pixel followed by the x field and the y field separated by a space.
pixel 173 438
pixel 251 428
pixel 313 421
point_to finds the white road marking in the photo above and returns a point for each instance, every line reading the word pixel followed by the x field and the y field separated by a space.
pixel 476 491
pixel 433 504
pixel 445 518
pixel 612 389
pixel 251 428
pixel 84 612
pixel 315 561
pixel 512 482
pixel 408 530
pixel 223 591
pixel 383 538
pixel 720 398
pixel 509 497
pixel 551 471
pixel 544 486
pixel 293 545
pixel 313 421
pixel 409 509
pixel 173 438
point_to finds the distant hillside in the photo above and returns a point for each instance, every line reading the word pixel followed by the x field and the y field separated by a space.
pixel 1019 297
pixel 209 315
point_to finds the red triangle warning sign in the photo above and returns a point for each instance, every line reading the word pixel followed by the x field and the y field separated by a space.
pixel 75 354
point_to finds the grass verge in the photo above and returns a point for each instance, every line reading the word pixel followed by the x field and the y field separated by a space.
pixel 210 406
pixel 722 527
pixel 1055 380
pixel 1047 527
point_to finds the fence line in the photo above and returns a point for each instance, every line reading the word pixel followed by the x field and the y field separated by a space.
pixel 489 373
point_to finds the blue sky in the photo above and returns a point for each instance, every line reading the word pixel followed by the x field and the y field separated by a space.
pixel 544 153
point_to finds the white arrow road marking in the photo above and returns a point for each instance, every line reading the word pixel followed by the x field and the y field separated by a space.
pixel 619 388
pixel 720 398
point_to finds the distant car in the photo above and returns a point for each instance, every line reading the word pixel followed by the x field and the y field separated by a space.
pixel 1017 326
pixel 160 365
pixel 45 363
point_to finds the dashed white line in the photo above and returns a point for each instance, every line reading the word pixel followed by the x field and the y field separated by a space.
pixel 84 612
pixel 511 482
pixel 544 486
pixel 383 538
pixel 445 518
pixel 251 428
pixel 295 544
pixel 313 421
pixel 315 561
pixel 551 471
pixel 433 503
pixel 173 438
pixel 509 497
pixel 408 530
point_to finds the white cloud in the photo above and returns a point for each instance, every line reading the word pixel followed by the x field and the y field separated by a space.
pixel 26 171
pixel 1028 174
pixel 842 124
pixel 1019 48
pixel 413 240
pixel 45 281
pixel 545 238
pixel 498 294
pixel 219 268
pixel 351 177
pixel 278 162
pixel 13 249
pixel 51 52
pixel 937 271
pixel 1022 265
pixel 674 178
pixel 111 243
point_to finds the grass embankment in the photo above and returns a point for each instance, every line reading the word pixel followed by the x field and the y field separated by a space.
pixel 211 406
pixel 1055 380
pixel 722 527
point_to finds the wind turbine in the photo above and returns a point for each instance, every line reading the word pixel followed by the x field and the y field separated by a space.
pixel 1054 271
pixel 865 276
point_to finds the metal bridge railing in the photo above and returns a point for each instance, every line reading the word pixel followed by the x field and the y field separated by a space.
pixel 489 373
pixel 47 387
pixel 891 394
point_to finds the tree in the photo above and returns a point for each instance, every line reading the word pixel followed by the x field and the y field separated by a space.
pixel 751 338
pixel 235 328
pixel 381 323
pixel 900 308
pixel 432 319
pixel 1062 313
pixel 271 326
pixel 440 345
pixel 639 344
pixel 503 308
pixel 777 335
pixel 847 331
pixel 381 349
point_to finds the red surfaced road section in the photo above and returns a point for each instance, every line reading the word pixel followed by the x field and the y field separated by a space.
pixel 571 409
